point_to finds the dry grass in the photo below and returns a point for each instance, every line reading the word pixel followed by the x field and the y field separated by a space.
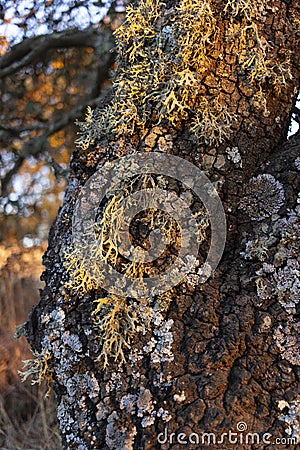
pixel 28 419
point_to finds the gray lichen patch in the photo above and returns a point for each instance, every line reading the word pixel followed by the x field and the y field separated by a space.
pixel 144 402
pixel 264 196
pixel 287 338
pixel 72 340
pixel 128 403
pixel 233 154
pixel 160 345
pixel 220 162
pixel 80 383
pixel 73 418
pixel 280 276
pixel 291 418
pixel 114 383
pixel 119 437
pixel 255 249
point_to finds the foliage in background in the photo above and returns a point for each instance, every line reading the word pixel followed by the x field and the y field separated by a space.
pixel 56 57
pixel 33 425
pixel 55 60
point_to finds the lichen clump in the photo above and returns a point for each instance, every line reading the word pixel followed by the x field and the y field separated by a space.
pixel 86 262
pixel 92 262
pixel 168 68
pixel 278 248
pixel 117 321
pixel 291 418
pixel 264 196
pixel 38 368
pixel 288 342
pixel 279 274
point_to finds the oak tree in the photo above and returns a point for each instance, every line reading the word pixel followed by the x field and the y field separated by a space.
pixel 214 83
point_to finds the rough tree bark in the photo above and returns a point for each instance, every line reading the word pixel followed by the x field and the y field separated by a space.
pixel 222 81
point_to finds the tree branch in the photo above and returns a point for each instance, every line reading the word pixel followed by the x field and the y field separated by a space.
pixel 9 132
pixel 37 145
pixel 296 112
pixel 33 49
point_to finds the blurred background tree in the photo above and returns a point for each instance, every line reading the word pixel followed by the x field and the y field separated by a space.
pixel 56 58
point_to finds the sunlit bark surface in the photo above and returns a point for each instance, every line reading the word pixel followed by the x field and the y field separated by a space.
pixel 218 92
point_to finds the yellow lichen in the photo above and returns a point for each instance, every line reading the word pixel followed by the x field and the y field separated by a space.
pixel 118 323
pixel 256 60
pixel 76 262
pixel 162 68
pixel 173 70
pixel 197 32
pixel 249 9
pixel 139 26
pixel 116 317
pixel 148 75
pixel 38 368
pixel 84 261
pixel 212 121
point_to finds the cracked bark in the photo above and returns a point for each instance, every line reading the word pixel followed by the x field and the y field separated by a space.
pixel 227 367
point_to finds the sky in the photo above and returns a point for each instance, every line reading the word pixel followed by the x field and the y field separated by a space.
pixel 64 13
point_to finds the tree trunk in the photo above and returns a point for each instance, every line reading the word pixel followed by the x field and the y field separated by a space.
pixel 212 83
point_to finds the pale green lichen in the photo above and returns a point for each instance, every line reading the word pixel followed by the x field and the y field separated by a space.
pixel 117 322
pixel 162 68
pixel 38 368
pixel 118 318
